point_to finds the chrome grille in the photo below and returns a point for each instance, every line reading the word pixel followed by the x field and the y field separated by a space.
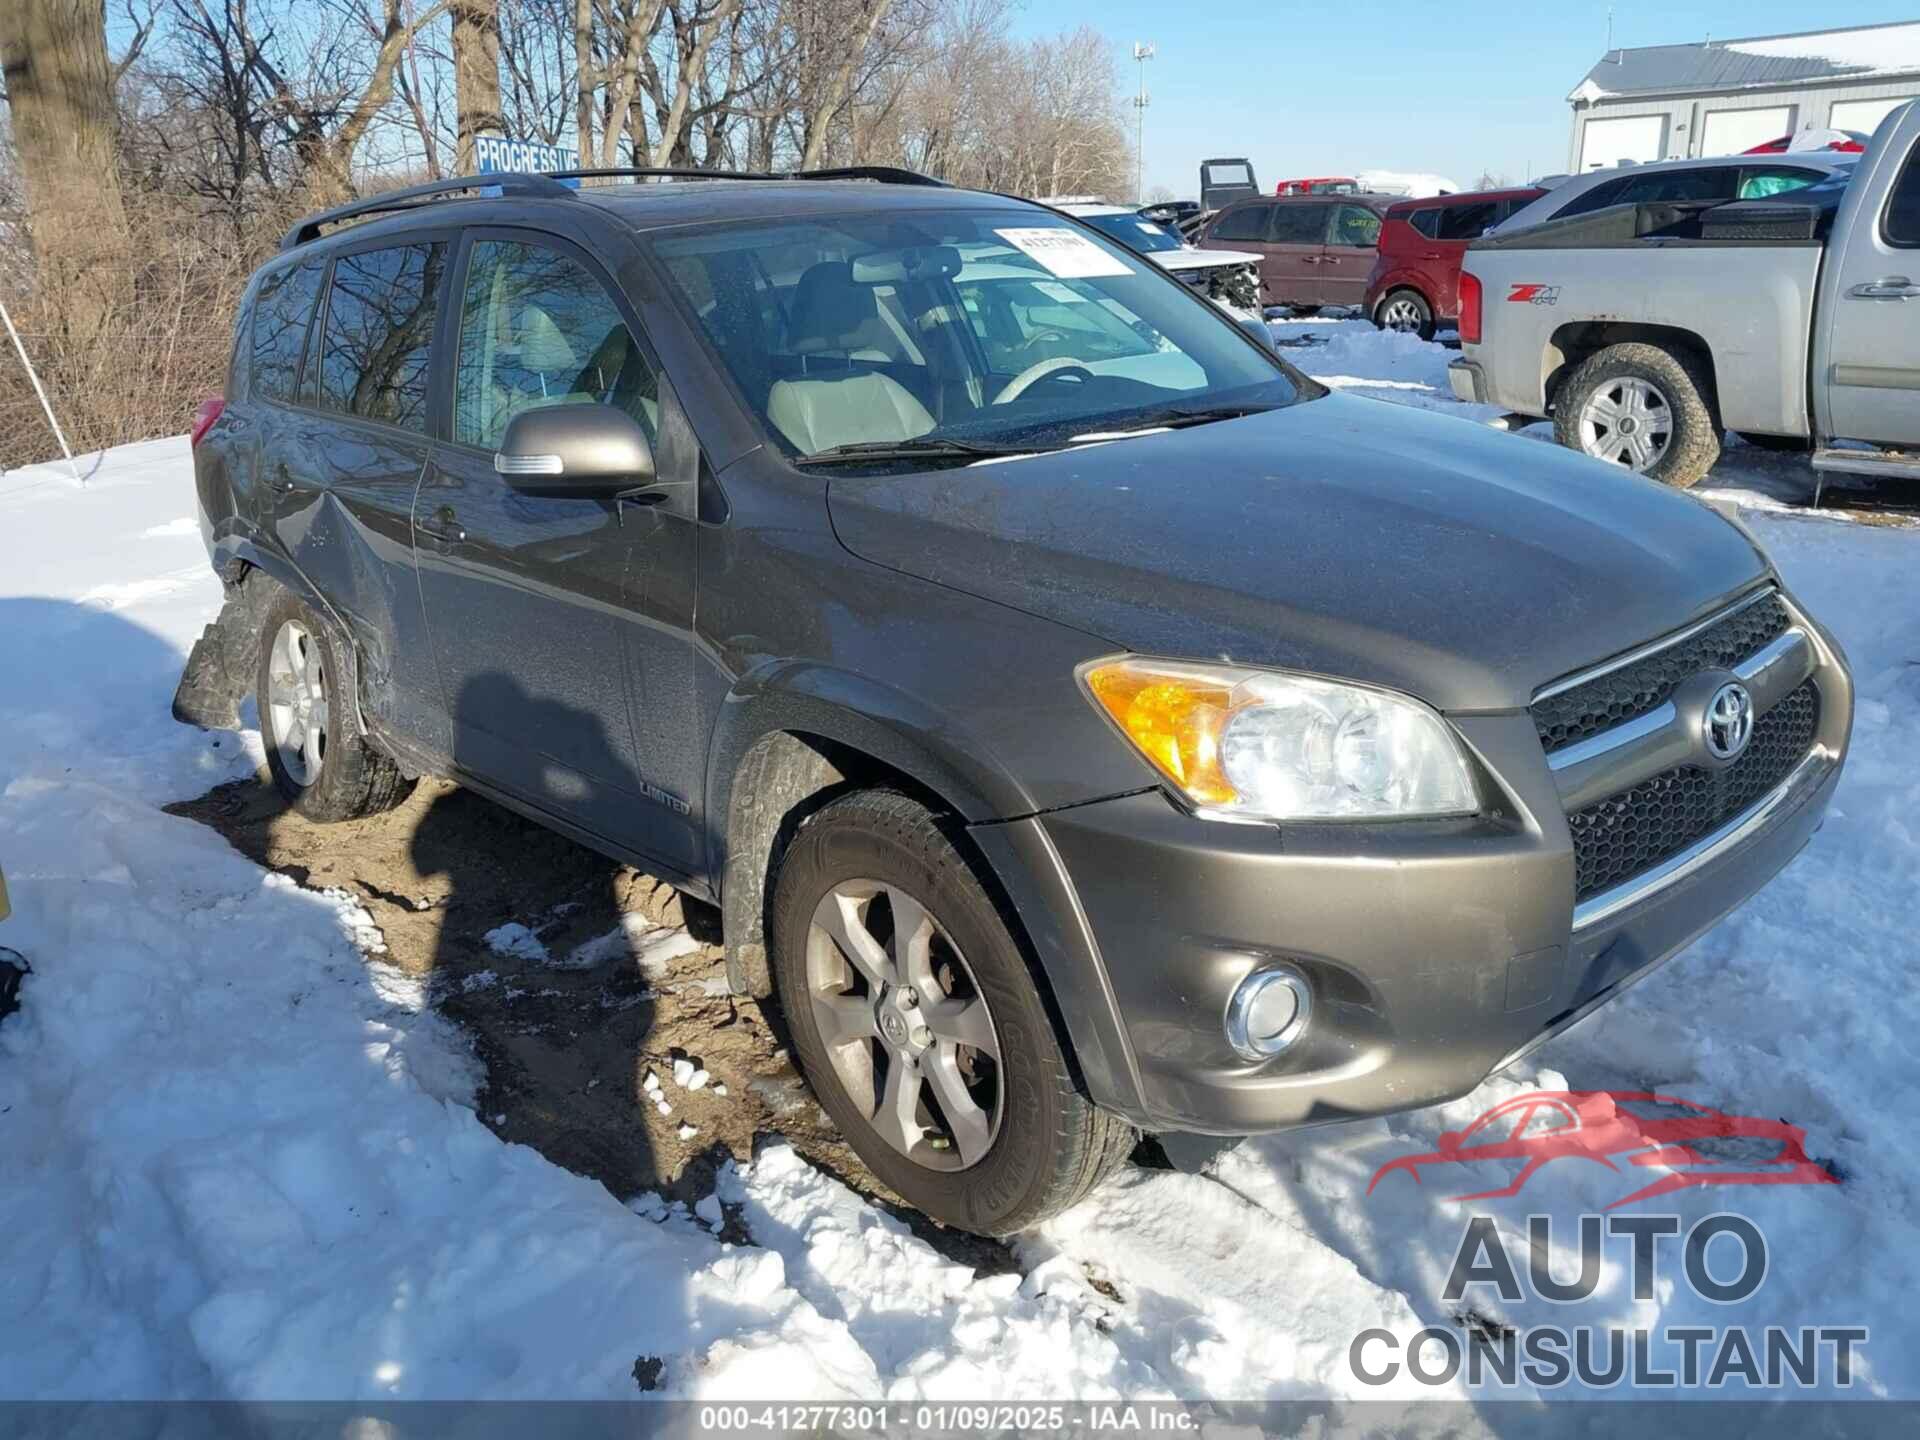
pixel 1565 717
pixel 1630 832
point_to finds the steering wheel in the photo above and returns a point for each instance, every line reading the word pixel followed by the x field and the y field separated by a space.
pixel 1038 371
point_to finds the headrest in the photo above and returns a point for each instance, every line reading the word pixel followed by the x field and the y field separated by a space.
pixel 828 308
pixel 542 346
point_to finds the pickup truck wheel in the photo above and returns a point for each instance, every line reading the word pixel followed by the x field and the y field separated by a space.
pixel 1642 407
pixel 316 754
pixel 915 1019
pixel 1406 311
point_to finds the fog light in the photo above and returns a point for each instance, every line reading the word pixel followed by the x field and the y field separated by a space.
pixel 1269 1012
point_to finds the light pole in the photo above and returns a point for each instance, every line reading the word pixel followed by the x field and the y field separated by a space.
pixel 1141 54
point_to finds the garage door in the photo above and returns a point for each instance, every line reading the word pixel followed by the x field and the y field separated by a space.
pixel 1729 132
pixel 1605 143
pixel 1863 115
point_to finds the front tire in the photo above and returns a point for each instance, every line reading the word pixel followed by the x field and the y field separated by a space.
pixel 1406 311
pixel 316 754
pixel 916 1021
pixel 1642 407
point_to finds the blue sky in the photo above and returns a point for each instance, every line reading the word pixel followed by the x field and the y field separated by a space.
pixel 1444 86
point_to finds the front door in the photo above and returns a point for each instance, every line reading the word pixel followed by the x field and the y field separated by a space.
pixel 1873 304
pixel 1296 252
pixel 1353 244
pixel 538 606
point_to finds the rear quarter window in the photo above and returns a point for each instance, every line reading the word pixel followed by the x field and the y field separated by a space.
pixel 277 329
pixel 1247 222
pixel 1427 222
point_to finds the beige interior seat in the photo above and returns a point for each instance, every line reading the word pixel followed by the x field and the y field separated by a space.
pixel 834 317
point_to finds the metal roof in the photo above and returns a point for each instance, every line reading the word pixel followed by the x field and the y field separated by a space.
pixel 1756 62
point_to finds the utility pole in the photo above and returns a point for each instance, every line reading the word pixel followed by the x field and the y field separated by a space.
pixel 1141 54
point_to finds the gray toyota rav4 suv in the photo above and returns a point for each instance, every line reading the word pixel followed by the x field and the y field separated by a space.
pixel 1085 723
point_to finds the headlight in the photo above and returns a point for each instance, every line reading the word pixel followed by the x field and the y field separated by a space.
pixel 1269 745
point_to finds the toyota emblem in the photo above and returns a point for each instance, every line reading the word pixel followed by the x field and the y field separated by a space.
pixel 1729 721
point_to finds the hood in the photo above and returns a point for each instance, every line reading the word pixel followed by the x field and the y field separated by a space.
pixel 1342 536
pixel 1189 258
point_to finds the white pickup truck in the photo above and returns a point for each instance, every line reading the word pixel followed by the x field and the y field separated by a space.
pixel 1647 331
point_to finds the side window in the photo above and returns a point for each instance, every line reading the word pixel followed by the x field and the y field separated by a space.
pixel 1597 198
pixel 1902 224
pixel 1299 225
pixel 536 328
pixel 1761 181
pixel 1355 226
pixel 1716 183
pixel 374 350
pixel 1467 222
pixel 278 332
pixel 1244 222
pixel 1427 222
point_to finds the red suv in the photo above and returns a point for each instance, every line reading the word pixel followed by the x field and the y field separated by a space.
pixel 1415 282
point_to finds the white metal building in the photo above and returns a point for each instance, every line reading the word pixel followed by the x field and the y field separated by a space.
pixel 1719 97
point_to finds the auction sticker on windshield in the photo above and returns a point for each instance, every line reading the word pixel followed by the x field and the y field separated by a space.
pixel 1065 253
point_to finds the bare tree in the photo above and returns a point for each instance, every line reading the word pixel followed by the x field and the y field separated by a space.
pixel 476 70
pixel 60 92
pixel 836 36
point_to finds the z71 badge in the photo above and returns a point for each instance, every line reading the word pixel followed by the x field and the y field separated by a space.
pixel 1534 295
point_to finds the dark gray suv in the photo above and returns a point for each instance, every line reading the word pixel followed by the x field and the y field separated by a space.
pixel 1085 723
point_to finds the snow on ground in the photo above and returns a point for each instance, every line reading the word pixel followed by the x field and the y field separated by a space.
pixel 243 1160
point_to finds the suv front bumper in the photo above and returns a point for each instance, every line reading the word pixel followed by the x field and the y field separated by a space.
pixel 1438 951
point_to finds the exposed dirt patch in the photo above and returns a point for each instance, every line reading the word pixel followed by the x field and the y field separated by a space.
pixel 614 977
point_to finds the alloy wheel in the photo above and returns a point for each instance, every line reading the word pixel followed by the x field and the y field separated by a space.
pixel 1401 313
pixel 296 702
pixel 1628 421
pixel 910 1035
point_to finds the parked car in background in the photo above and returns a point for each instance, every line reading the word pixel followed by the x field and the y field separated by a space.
pixel 1232 276
pixel 1850 142
pixel 1415 282
pixel 1172 212
pixel 1314 250
pixel 1645 331
pixel 1321 185
pixel 1225 180
pixel 1723 177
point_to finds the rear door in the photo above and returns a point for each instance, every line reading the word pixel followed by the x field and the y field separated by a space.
pixel 1870 299
pixel 560 625
pixel 1456 227
pixel 345 460
pixel 1353 242
pixel 1296 252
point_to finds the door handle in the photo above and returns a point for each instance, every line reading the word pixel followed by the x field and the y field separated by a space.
pixel 1891 287
pixel 1312 259
pixel 443 525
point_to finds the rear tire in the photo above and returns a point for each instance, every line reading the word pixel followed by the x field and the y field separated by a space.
pixel 1644 408
pixel 990 1138
pixel 1406 311
pixel 316 754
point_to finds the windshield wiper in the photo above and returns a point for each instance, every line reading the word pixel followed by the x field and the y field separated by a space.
pixel 879 451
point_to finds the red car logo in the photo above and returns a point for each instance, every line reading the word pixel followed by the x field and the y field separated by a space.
pixel 1696 1145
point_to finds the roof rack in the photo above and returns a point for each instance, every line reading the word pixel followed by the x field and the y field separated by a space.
pixel 529 186
pixel 547 185
pixel 885 174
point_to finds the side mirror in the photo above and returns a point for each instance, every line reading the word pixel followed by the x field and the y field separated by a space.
pixel 1255 326
pixel 574 450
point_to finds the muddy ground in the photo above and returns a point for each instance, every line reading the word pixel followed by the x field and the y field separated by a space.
pixel 568 1028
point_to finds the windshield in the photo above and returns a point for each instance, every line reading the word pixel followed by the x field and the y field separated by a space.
pixel 963 332
pixel 1135 230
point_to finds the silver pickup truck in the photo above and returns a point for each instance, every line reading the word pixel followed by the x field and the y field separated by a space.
pixel 1647 331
